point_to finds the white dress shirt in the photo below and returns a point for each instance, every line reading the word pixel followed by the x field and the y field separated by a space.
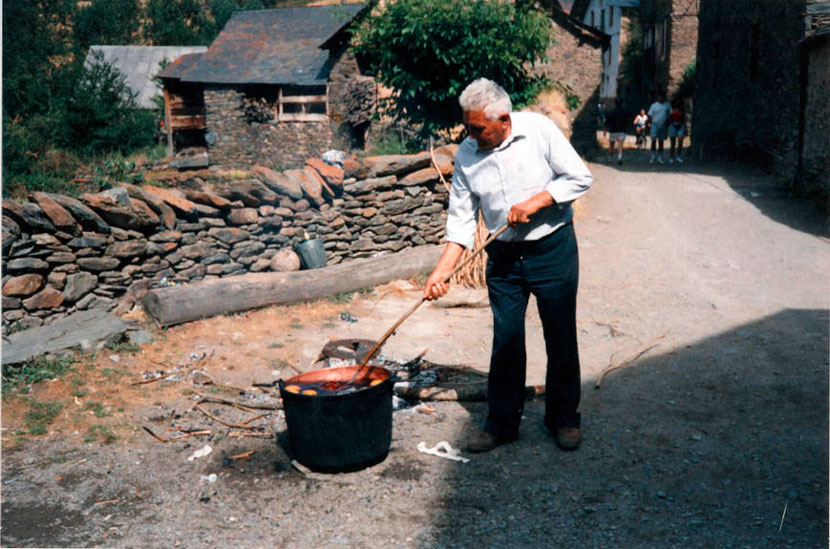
pixel 535 157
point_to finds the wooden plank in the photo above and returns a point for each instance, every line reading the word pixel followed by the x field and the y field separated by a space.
pixel 303 117
pixel 206 298
pixel 168 123
pixel 84 328
pixel 303 99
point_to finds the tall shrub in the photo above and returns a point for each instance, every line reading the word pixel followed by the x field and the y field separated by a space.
pixel 428 51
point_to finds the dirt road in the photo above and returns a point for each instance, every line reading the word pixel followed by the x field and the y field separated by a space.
pixel 716 437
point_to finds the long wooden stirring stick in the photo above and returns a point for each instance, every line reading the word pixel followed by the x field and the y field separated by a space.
pixel 406 315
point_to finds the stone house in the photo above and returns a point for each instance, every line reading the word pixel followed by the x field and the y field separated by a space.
pixel 275 87
pixel 609 17
pixel 670 38
pixel 763 91
pixel 575 60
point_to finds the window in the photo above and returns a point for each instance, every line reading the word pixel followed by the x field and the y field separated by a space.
pixel 299 106
pixel 602 20
pixel 592 18
pixel 611 17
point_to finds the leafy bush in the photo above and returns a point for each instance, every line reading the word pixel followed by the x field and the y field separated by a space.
pixel 35 370
pixel 428 52
pixel 687 85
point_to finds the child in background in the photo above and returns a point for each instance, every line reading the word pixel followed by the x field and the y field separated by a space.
pixel 640 124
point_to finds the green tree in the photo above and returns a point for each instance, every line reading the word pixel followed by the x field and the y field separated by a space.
pixel 36 54
pixel 103 114
pixel 427 51
pixel 106 22
pixel 176 23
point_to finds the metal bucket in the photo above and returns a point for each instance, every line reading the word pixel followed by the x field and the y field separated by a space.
pixel 312 253
pixel 340 432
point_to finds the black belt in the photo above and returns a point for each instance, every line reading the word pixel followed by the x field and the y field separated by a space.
pixel 527 245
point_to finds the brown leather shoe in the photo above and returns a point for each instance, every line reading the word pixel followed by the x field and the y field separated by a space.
pixel 484 441
pixel 568 438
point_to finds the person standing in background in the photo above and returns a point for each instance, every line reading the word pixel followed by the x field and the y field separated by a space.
pixel 640 125
pixel 616 122
pixel 659 113
pixel 677 129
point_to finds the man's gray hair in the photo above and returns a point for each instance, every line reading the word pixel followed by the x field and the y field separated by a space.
pixel 485 95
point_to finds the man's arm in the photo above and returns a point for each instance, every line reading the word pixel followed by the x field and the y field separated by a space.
pixel 435 287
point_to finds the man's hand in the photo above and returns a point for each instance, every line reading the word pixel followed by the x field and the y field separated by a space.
pixel 522 211
pixel 435 287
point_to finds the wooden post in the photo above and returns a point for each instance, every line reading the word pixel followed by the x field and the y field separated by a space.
pixel 168 122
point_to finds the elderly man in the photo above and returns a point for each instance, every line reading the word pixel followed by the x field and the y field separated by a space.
pixel 519 169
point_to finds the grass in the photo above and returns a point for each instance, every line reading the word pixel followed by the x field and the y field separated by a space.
pixel 102 431
pixel 35 370
pixel 40 415
pixel 96 408
pixel 123 347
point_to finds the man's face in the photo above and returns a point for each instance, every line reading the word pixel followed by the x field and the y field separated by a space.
pixel 487 133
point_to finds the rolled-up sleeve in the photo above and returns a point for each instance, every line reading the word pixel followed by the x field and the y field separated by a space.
pixel 571 178
pixel 461 216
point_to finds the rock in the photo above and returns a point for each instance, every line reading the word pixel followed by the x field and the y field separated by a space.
pixel 46 240
pixel 266 210
pixel 371 185
pixel 242 216
pixel 140 337
pixel 311 183
pixel 166 236
pixel 278 182
pixel 332 175
pixel 57 279
pixel 11 233
pixel 92 301
pixel 252 187
pixel 302 205
pixel 56 213
pixel 260 265
pixel 395 164
pixel 445 162
pixel 114 213
pixel 197 251
pixel 165 213
pixel 117 196
pixel 48 298
pixel 420 177
pixel 273 222
pixel 161 248
pixel 78 285
pixel 214 222
pixel 352 167
pixel 127 248
pixel 285 260
pixel 28 215
pixel 190 227
pixel 87 242
pixel 24 285
pixel 26 264
pixel 208 199
pixel 195 271
pixel 229 235
pixel 61 257
pixel 369 212
pixel 88 219
pixel 216 259
pixel 98 264
pixel 180 204
pixel 247 249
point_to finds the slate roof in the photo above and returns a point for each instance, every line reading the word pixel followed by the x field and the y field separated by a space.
pixel 275 46
pixel 140 64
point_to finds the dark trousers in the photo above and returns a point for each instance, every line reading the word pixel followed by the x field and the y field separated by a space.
pixel 549 269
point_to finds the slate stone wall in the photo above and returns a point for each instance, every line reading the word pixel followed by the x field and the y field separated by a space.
pixel 105 250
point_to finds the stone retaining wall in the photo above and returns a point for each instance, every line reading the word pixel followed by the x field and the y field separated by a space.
pixel 104 250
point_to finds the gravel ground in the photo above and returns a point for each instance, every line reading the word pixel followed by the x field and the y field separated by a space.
pixel 716 437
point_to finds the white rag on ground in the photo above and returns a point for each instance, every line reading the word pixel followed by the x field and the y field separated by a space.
pixel 442 450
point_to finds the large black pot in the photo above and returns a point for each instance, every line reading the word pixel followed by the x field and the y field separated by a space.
pixel 340 432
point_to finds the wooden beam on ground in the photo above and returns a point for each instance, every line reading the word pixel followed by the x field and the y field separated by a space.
pixel 206 298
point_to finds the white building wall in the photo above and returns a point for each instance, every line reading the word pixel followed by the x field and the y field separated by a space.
pixel 606 16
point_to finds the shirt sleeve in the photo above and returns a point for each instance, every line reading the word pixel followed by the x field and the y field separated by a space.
pixel 571 178
pixel 461 216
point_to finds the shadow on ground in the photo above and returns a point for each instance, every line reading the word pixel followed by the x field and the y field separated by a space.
pixel 723 443
pixel 773 198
